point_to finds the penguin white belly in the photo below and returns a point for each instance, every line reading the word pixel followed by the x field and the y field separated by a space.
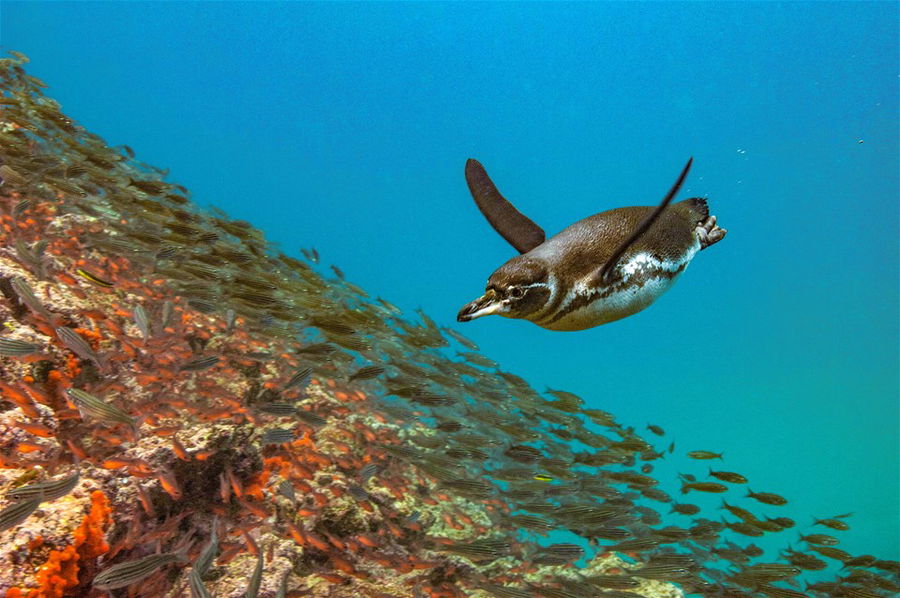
pixel 615 306
pixel 645 279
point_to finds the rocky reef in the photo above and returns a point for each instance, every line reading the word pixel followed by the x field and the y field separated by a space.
pixel 186 410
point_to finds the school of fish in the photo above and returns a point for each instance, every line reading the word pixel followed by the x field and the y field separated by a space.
pixel 258 429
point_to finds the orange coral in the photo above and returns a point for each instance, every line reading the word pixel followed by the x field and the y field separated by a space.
pixel 60 573
pixel 89 536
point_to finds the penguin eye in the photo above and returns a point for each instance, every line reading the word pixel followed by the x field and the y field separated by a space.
pixel 516 292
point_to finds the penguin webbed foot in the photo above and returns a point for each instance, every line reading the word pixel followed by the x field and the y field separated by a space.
pixel 709 232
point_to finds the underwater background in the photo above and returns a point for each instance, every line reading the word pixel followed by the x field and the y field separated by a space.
pixel 346 127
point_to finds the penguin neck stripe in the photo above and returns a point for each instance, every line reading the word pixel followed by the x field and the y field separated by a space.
pixel 557 295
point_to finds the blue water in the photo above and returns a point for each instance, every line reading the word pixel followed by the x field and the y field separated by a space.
pixel 346 127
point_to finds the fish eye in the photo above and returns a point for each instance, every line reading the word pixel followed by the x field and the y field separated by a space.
pixel 516 292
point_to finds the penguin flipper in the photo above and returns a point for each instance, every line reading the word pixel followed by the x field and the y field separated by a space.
pixel 510 223
pixel 602 273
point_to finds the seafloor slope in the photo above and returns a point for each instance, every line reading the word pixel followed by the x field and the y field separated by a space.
pixel 186 411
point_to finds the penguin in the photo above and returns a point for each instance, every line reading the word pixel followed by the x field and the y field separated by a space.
pixel 601 269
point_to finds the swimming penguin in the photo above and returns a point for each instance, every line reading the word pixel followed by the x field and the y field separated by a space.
pixel 598 270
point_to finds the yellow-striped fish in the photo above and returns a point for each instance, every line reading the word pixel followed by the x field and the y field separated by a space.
pixel 93 278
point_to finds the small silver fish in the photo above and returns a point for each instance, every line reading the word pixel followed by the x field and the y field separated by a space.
pixel 704 455
pixel 478 359
pixel 79 346
pixel 279 409
pixel 167 309
pixel 20 208
pixel 728 476
pixel 203 306
pixel 310 254
pixel 460 339
pixel 32 258
pixel 278 436
pixel 202 363
pixel 481 550
pixel 368 471
pixel 298 379
pixel 255 579
pixel 27 296
pixel 142 321
pixel 286 489
pixel 91 406
pixel 11 347
pixel 167 252
pixel 558 554
pixel 18 512
pixel 366 373
pixel 198 589
pixel 230 320
pixel 282 587
pixel 311 418
pixel 46 490
pixel 131 572
pixel 208 556
pixel 767 498
pixel 357 492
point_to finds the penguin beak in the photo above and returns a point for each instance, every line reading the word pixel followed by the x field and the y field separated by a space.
pixel 487 304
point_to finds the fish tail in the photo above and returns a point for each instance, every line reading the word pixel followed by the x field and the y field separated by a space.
pixel 182 549
pixel 698 207
pixel 101 361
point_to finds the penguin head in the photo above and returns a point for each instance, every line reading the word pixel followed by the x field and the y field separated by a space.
pixel 518 289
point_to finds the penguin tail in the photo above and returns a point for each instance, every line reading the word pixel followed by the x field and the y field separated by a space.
pixel 698 207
